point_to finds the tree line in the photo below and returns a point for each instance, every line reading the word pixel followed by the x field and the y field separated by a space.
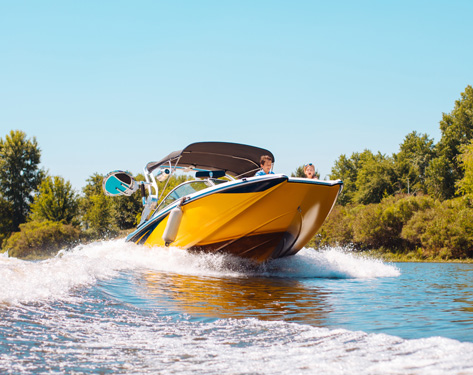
pixel 415 201
pixel 41 214
pixel 441 170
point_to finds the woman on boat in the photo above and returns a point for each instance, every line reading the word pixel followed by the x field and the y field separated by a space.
pixel 309 171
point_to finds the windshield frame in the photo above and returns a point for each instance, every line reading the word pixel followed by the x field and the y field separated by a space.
pixel 172 197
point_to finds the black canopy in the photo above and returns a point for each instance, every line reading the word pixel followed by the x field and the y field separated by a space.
pixel 236 159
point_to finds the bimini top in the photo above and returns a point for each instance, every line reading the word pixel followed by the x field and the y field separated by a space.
pixel 235 159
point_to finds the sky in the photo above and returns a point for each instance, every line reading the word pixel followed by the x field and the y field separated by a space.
pixel 106 85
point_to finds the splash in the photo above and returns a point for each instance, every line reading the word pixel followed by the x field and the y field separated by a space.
pixel 24 281
pixel 333 262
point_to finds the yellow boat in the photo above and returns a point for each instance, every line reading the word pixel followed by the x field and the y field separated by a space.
pixel 226 208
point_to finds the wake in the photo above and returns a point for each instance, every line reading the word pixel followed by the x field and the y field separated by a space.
pixel 84 265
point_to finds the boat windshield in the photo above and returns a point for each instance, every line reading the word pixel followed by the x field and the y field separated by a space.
pixel 186 188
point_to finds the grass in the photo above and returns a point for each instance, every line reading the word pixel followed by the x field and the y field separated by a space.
pixel 410 256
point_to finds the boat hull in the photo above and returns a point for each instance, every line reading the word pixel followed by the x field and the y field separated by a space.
pixel 261 219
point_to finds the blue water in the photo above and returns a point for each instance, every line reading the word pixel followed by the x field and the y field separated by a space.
pixel 112 307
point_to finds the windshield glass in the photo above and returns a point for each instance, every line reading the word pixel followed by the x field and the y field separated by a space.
pixel 184 189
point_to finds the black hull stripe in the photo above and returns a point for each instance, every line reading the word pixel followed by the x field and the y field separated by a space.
pixel 255 187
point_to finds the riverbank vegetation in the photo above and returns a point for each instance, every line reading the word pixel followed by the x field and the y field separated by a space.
pixel 403 227
pixel 416 204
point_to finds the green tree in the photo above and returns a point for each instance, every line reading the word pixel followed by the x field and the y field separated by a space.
pixel 128 208
pixel 465 185
pixel 440 179
pixel 94 185
pixel 56 201
pixel 19 173
pixel 123 211
pixel 376 178
pixel 415 154
pixel 346 169
pixel 99 217
pixel 97 210
pixel 457 131
pixel 6 213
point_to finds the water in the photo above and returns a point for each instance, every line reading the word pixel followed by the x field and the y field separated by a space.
pixel 115 308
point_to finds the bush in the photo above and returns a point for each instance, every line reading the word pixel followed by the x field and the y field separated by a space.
pixel 41 239
pixel 374 226
pixel 445 230
pixel 337 229
pixel 380 225
pixel 99 217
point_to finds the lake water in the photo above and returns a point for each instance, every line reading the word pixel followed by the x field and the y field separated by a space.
pixel 114 308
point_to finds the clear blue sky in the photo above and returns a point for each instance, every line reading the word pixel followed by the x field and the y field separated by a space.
pixel 107 85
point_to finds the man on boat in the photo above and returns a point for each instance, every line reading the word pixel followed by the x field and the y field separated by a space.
pixel 266 163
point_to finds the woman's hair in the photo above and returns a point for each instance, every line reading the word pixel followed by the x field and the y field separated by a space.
pixel 264 159
pixel 307 167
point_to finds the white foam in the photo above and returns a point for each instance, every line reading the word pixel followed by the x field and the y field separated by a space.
pixel 24 281
pixel 114 337
pixel 333 262
pixel 148 344
pixel 54 278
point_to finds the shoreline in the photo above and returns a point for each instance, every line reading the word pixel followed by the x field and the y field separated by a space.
pixel 409 257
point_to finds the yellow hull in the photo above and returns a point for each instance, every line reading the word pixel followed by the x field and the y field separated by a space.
pixel 260 225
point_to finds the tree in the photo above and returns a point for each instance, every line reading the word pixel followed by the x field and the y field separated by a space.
pixel 19 173
pixel 56 201
pixel 457 131
pixel 346 169
pixel 440 178
pixel 6 213
pixel 366 177
pixel 124 211
pixel 465 185
pixel 415 154
pixel 376 179
pixel 94 185
pixel 99 217
pixel 98 214
pixel 128 209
